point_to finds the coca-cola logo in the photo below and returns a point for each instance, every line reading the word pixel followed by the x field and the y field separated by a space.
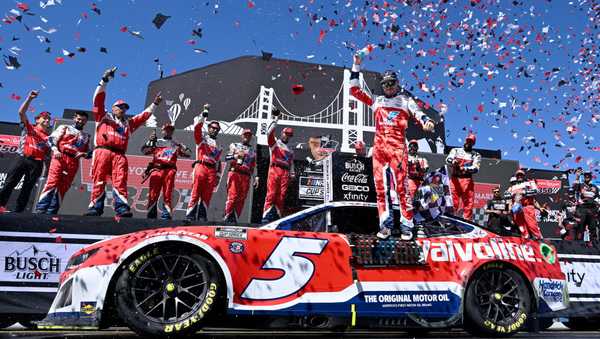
pixel 354 178
pixel 546 186
pixel 354 165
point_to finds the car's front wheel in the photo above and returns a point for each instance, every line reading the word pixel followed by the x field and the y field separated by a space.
pixel 166 292
pixel 497 301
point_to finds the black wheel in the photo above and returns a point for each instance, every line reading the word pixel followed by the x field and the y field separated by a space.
pixel 166 293
pixel 497 302
pixel 582 324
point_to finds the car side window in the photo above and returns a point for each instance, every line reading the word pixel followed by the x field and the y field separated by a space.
pixel 444 226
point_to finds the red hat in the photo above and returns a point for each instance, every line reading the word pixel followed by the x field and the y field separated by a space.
pixel 289 131
pixel 215 123
pixel 413 141
pixel 471 137
pixel 247 131
pixel 43 114
pixel 168 125
pixel 121 102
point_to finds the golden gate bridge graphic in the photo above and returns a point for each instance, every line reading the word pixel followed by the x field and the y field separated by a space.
pixel 343 113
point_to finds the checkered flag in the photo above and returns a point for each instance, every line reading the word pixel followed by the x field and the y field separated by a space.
pixel 433 197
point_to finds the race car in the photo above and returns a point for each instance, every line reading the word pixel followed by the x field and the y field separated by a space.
pixel 319 268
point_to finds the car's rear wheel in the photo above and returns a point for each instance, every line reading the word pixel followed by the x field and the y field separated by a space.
pixel 582 323
pixel 497 301
pixel 166 292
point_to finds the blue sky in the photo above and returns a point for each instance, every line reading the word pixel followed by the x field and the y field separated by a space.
pixel 522 74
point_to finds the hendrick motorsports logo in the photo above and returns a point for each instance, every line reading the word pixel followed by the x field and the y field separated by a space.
pixel 354 165
pixel 551 290
pixel 31 263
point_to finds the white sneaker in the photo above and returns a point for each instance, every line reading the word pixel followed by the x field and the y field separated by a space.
pixel 384 233
pixel 406 235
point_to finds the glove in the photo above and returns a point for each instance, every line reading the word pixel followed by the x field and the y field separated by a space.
pixel 109 74
pixel 205 110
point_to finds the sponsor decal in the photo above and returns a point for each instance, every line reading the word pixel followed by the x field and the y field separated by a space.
pixel 354 165
pixel 551 290
pixel 231 233
pixel 453 251
pixel 209 300
pixel 88 307
pixel 236 247
pixel 9 143
pixel 311 188
pixel 135 265
pixel 32 263
pixel 548 253
pixel 407 297
pixel 508 328
pixel 548 187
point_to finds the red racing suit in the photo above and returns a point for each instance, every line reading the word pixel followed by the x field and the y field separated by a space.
pixel 282 164
pixel 464 164
pixel 67 143
pixel 112 137
pixel 390 154
pixel 242 161
pixel 206 170
pixel 163 169
pixel 417 167
pixel 523 209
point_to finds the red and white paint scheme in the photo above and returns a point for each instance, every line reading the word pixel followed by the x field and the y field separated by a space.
pixel 462 274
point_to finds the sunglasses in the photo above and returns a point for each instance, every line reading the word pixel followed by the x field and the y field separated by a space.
pixel 388 84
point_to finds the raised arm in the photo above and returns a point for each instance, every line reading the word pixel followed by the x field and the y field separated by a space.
pixel 355 89
pixel 184 151
pixel 138 120
pixel 420 117
pixel 150 144
pixel 271 138
pixel 99 98
pixel 25 106
pixel 198 137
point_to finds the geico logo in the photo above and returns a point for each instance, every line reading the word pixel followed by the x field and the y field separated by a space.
pixel 450 251
pixel 355 188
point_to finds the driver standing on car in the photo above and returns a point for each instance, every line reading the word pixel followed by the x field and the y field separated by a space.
pixel 392 112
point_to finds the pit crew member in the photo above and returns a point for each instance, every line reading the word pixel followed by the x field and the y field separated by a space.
pixel 242 165
pixel 464 162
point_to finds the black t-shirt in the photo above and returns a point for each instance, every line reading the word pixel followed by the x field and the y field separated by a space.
pixel 499 205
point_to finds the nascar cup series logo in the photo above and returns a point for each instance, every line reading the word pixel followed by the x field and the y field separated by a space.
pixel 31 263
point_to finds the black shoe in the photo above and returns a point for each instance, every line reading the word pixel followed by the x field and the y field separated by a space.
pixel 127 214
pixel 92 213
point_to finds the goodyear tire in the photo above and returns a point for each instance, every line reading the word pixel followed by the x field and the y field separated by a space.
pixel 497 302
pixel 582 323
pixel 166 293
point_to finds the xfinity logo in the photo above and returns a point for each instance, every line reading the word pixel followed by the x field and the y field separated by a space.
pixel 354 165
pixel 575 277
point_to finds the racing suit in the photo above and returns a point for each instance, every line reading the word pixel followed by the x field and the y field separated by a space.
pixel 33 151
pixel 417 167
pixel 464 165
pixel 587 209
pixel 109 160
pixel 238 179
pixel 206 171
pixel 280 168
pixel 67 143
pixel 390 154
pixel 161 174
pixel 523 208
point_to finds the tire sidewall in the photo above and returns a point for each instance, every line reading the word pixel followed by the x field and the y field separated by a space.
pixel 477 324
pixel 185 326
